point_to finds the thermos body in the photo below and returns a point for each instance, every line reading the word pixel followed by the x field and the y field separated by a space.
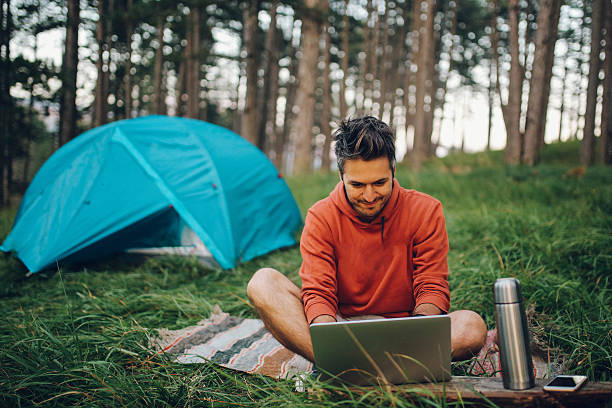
pixel 513 336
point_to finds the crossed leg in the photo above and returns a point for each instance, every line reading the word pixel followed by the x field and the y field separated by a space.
pixel 278 303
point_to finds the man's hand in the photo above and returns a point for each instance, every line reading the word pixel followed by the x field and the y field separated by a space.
pixel 324 319
pixel 426 309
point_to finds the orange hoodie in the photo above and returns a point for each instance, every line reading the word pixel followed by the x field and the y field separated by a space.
pixel 386 267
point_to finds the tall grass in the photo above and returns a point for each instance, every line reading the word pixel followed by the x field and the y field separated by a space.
pixel 80 335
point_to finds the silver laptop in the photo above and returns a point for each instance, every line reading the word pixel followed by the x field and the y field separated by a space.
pixel 396 351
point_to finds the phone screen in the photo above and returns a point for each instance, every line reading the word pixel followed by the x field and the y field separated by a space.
pixel 562 382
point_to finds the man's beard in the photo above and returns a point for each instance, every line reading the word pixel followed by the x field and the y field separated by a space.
pixel 369 217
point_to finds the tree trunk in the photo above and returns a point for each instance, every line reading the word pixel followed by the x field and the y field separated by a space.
pixel 524 66
pixel 181 81
pixel 562 106
pixel 128 63
pixel 188 62
pixel 399 71
pixel 384 63
pixel 196 65
pixel 193 66
pixel 444 87
pixel 588 138
pixel 550 60
pixel 139 100
pixel 290 94
pixel 235 99
pixel 344 61
pixel 100 97
pixel 512 110
pixel 430 107
pixel 249 115
pixel 5 96
pixel 117 91
pixel 364 68
pixel 6 130
pixel 267 115
pixel 605 140
pixel 413 53
pixel 108 45
pixel 548 18
pixel 490 97
pixel 580 61
pixel 305 98
pixel 373 64
pixel 157 70
pixel 32 113
pixel 493 84
pixel 424 74
pixel 273 129
pixel 327 101
pixel 432 84
pixel 70 61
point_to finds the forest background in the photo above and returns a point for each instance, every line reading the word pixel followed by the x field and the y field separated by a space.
pixel 281 73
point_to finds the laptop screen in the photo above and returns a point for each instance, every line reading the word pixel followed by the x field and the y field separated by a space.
pixel 395 351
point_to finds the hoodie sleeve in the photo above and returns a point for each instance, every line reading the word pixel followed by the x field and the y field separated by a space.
pixel 430 252
pixel 318 271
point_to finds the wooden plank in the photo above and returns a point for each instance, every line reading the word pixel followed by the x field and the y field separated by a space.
pixel 480 390
pixel 592 394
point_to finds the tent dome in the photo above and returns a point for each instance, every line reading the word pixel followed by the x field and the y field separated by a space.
pixel 138 182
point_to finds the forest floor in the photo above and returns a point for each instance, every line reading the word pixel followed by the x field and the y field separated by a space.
pixel 78 336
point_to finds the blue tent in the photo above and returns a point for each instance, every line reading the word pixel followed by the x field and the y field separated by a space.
pixel 136 183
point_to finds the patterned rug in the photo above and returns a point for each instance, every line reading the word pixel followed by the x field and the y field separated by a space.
pixel 232 342
pixel 245 345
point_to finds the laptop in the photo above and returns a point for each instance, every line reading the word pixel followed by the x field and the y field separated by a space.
pixel 383 351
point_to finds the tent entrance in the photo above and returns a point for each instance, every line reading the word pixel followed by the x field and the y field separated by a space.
pixel 161 233
pixel 189 244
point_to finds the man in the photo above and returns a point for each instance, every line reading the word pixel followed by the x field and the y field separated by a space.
pixel 372 248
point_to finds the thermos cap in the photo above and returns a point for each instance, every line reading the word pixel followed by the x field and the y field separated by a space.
pixel 507 290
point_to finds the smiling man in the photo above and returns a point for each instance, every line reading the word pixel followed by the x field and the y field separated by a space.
pixel 370 249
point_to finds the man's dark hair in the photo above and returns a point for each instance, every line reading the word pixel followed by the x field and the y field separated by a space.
pixel 365 138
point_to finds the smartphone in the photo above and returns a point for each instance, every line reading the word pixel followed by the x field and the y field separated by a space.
pixel 565 383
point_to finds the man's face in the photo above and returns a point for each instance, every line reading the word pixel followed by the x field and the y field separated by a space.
pixel 368 185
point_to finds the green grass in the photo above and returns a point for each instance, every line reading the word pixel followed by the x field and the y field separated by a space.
pixel 79 336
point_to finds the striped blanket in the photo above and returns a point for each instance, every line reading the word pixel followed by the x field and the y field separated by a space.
pixel 245 345
pixel 232 342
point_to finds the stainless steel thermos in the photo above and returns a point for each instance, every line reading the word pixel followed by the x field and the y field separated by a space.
pixel 513 335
